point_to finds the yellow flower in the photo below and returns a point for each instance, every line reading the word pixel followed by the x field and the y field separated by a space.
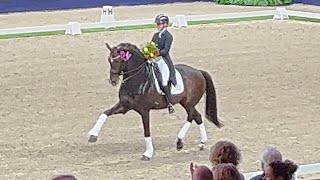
pixel 151 55
pixel 152 43
pixel 145 49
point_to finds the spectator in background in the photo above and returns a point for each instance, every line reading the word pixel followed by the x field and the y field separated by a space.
pixel 200 172
pixel 268 156
pixel 226 171
pixel 280 170
pixel 225 152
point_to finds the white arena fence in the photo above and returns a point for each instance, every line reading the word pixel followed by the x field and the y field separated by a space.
pixel 107 21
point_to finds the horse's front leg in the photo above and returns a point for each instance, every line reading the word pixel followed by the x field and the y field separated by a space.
pixel 147 155
pixel 116 109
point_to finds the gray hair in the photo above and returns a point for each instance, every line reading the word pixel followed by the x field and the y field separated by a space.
pixel 270 155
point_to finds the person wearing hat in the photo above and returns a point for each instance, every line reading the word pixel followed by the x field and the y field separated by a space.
pixel 163 38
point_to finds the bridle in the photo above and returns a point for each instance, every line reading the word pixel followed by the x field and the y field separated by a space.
pixel 137 70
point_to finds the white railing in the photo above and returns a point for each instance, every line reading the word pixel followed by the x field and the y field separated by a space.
pixel 302 170
pixel 116 24
pixel 230 15
pixel 69 27
pixel 22 30
pixel 92 25
pixel 303 14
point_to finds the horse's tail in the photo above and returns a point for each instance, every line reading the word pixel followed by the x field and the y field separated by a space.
pixel 211 101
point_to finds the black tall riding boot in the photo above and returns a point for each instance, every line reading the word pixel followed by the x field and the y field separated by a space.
pixel 167 91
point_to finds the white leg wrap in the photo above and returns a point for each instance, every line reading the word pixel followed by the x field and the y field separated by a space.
pixel 203 133
pixel 149 147
pixel 97 127
pixel 184 130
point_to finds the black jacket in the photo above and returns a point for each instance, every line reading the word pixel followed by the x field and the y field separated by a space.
pixel 164 44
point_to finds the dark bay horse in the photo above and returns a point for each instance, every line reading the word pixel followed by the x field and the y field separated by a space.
pixel 137 92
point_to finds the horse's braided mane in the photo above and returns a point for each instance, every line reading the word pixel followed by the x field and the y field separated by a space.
pixel 139 56
pixel 131 47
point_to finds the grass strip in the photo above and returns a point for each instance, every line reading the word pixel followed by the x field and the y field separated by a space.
pixel 123 28
pixel 148 26
pixel 229 20
pixel 35 34
pixel 296 18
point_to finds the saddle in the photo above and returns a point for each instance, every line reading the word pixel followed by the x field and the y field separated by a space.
pixel 161 75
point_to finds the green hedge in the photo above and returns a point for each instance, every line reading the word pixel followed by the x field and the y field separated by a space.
pixel 255 2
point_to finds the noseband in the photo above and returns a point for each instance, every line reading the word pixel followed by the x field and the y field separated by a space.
pixel 137 70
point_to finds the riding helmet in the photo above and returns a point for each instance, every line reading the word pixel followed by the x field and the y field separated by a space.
pixel 161 19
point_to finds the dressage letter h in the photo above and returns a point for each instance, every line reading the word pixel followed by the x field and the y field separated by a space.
pixel 109 11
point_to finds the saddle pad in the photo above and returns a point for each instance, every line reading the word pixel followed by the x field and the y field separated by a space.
pixel 165 73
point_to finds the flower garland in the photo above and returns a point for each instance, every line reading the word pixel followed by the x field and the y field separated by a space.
pixel 150 51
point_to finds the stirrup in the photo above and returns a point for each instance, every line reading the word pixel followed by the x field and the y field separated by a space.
pixel 171 109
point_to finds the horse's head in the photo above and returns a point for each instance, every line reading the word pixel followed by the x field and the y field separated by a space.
pixel 121 57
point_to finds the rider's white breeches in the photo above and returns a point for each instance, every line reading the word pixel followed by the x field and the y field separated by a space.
pixel 164 70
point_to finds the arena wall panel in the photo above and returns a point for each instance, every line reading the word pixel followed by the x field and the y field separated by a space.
pixel 7 6
pixel 312 2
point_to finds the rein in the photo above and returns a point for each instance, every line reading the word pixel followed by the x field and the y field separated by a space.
pixel 133 70
pixel 138 69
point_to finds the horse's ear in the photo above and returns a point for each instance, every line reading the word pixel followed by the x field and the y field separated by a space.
pixel 108 46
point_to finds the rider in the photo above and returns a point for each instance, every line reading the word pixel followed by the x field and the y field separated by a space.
pixel 164 40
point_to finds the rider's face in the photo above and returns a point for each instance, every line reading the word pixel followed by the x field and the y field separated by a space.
pixel 160 26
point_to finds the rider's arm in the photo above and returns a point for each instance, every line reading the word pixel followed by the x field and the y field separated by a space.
pixel 154 38
pixel 167 46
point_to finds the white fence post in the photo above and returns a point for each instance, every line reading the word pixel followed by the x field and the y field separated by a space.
pixel 280 14
pixel 180 21
pixel 73 28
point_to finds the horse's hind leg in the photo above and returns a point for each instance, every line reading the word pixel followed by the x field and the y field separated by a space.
pixel 203 134
pixel 193 114
pixel 182 133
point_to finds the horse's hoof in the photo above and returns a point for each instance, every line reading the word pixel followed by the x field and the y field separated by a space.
pixel 171 109
pixel 179 144
pixel 201 146
pixel 145 158
pixel 221 125
pixel 93 139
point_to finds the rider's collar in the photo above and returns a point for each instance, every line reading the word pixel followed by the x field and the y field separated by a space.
pixel 162 31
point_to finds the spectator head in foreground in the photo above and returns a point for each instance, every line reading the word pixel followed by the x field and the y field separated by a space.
pixel 200 172
pixel 226 171
pixel 224 152
pixel 64 177
pixel 280 170
pixel 268 156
